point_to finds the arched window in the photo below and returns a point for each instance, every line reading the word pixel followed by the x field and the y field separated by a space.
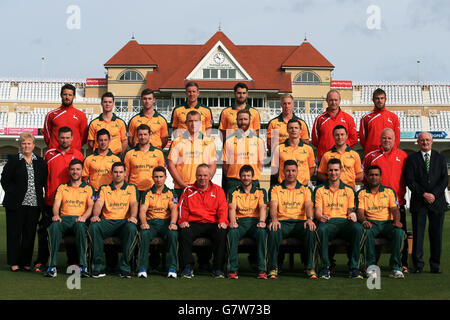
pixel 307 77
pixel 130 75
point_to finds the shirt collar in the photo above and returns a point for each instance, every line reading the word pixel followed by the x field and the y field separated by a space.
pixel 334 149
pixel 280 117
pixel 153 189
pixel 83 183
pixel 247 106
pixel 113 187
pixel 186 105
pixel 240 134
pixel 381 189
pixel 252 190
pixel 151 148
pixel 21 156
pixel 156 114
pixel 187 135
pixel 287 143
pixel 326 184
pixel 100 117
pixel 297 186
pixel 109 153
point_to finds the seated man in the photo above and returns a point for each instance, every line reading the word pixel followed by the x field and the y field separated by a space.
pixel 72 206
pixel 379 214
pixel 247 213
pixel 334 208
pixel 118 208
pixel 291 213
pixel 158 214
pixel 203 213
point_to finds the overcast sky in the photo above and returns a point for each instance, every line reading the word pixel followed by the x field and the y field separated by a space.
pixel 366 40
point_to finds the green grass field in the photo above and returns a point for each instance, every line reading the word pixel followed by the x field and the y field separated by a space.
pixel 290 285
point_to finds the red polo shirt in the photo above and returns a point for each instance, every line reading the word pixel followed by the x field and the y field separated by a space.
pixel 322 131
pixel 371 126
pixel 58 173
pixel 209 206
pixel 392 165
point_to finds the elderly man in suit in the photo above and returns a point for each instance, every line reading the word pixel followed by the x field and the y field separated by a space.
pixel 427 178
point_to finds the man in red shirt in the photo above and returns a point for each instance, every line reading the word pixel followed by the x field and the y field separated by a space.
pixel 203 212
pixel 322 131
pixel 374 122
pixel 57 160
pixel 392 162
pixel 66 116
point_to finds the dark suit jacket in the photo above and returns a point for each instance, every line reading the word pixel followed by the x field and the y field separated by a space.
pixel 15 181
pixel 419 181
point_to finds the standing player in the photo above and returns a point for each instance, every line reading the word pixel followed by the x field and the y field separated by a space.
pixel 322 136
pixel 374 122
pixel 114 213
pixel 335 209
pixel 179 114
pixel 109 121
pixel 71 208
pixel 379 215
pixel 293 148
pixel 277 127
pixel 97 166
pixel 158 214
pixel 57 160
pixel 228 116
pixel 291 214
pixel 247 214
pixel 149 116
pixel 66 116
pixel 350 160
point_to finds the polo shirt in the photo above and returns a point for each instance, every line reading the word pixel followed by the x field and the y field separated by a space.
pixel 140 165
pixel 247 203
pixel 97 168
pixel 179 114
pixel 116 128
pixel 58 170
pixel 240 149
pixel 116 202
pixel 74 200
pixel 291 202
pixel 277 125
pixel 334 204
pixel 157 124
pixel 228 119
pixel 392 166
pixel 322 132
pixel 372 124
pixel 158 203
pixel 351 164
pixel 376 205
pixel 302 153
pixel 187 154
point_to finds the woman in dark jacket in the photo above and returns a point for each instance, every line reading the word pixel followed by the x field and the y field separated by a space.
pixel 23 180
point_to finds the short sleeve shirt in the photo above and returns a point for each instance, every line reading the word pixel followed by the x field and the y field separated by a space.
pixel 158 203
pixel 334 204
pixel 74 200
pixel 116 128
pixel 291 202
pixel 247 203
pixel 116 202
pixel 377 205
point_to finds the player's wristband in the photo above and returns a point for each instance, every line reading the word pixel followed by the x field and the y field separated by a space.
pixel 173 223
pixel 310 218
pixel 365 221
pixel 262 221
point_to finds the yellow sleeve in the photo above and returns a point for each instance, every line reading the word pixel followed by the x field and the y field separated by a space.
pixel 358 167
pixel 223 119
pixel 305 133
pixel 323 164
pixel 274 195
pixel 133 194
pixel 102 195
pixel 361 202
pixel 126 161
pixel 208 118
pixel 269 131
pixel 173 152
pixel 256 120
pixel 90 195
pixel 132 129
pixel 318 198
pixel 392 199
pixel 59 193
pixel 161 159
pixel 85 174
pixel 225 152
pixel 308 194
pixel 123 131
pixel 212 152
pixel 311 158
pixel 351 198
pixel 164 130
pixel 92 132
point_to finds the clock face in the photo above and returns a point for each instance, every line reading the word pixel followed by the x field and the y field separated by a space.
pixel 219 58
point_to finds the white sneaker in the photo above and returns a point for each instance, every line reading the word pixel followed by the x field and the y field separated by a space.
pixel 172 274
pixel 397 274
pixel 142 274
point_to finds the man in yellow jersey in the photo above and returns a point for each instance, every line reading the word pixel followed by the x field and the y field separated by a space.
pixel 247 213
pixel 71 208
pixel 379 215
pixel 277 127
pixel 151 117
pixel 242 147
pixel 291 213
pixel 179 113
pixel 188 151
pixel 114 213
pixel 141 160
pixel 352 171
pixel 158 214
pixel 293 148
pixel 334 203
pixel 109 121
pixel 97 166
pixel 228 116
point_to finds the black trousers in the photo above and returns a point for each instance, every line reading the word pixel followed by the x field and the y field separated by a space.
pixel 43 251
pixel 405 243
pixel 186 237
pixel 20 233
pixel 435 226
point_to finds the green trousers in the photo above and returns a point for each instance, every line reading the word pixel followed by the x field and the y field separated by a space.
pixel 57 230
pixel 247 227
pixel 158 227
pixel 345 229
pixel 384 229
pixel 290 229
pixel 126 231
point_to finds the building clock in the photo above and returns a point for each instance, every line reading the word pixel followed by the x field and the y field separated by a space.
pixel 219 58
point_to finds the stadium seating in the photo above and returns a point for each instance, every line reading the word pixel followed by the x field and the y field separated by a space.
pixel 440 121
pixel 396 94
pixel 440 94
pixel 5 87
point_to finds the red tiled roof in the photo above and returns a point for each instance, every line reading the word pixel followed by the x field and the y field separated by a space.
pixel 262 63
